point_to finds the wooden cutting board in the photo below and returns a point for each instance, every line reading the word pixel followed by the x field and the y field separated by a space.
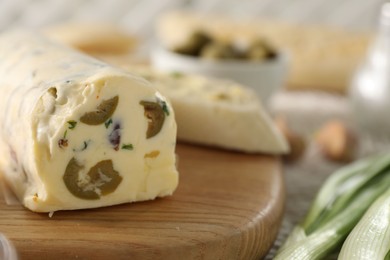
pixel 228 206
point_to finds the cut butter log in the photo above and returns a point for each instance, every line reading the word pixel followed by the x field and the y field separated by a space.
pixel 217 112
pixel 76 133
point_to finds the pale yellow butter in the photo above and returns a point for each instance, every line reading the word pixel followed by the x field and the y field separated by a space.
pixel 217 112
pixel 46 89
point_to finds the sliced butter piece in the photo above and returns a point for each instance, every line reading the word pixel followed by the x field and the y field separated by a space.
pixel 76 133
pixel 217 112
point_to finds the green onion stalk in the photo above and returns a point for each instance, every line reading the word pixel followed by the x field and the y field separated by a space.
pixel 370 238
pixel 340 204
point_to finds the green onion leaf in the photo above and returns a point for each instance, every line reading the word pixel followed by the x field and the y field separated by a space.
pixel 370 238
pixel 338 207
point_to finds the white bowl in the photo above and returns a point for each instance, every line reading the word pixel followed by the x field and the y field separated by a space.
pixel 264 77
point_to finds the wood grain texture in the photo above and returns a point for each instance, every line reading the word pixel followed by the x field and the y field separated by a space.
pixel 227 206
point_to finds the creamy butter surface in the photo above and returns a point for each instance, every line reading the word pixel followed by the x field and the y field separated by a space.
pixel 217 112
pixel 76 133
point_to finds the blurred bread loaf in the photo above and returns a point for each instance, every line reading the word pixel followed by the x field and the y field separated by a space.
pixel 93 38
pixel 105 41
pixel 321 58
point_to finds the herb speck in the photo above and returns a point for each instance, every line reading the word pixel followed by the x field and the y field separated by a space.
pixel 127 147
pixel 177 74
pixel 165 107
pixel 85 146
pixel 108 123
pixel 72 124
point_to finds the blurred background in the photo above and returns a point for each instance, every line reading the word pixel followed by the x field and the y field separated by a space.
pixel 139 16
pixel 140 19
